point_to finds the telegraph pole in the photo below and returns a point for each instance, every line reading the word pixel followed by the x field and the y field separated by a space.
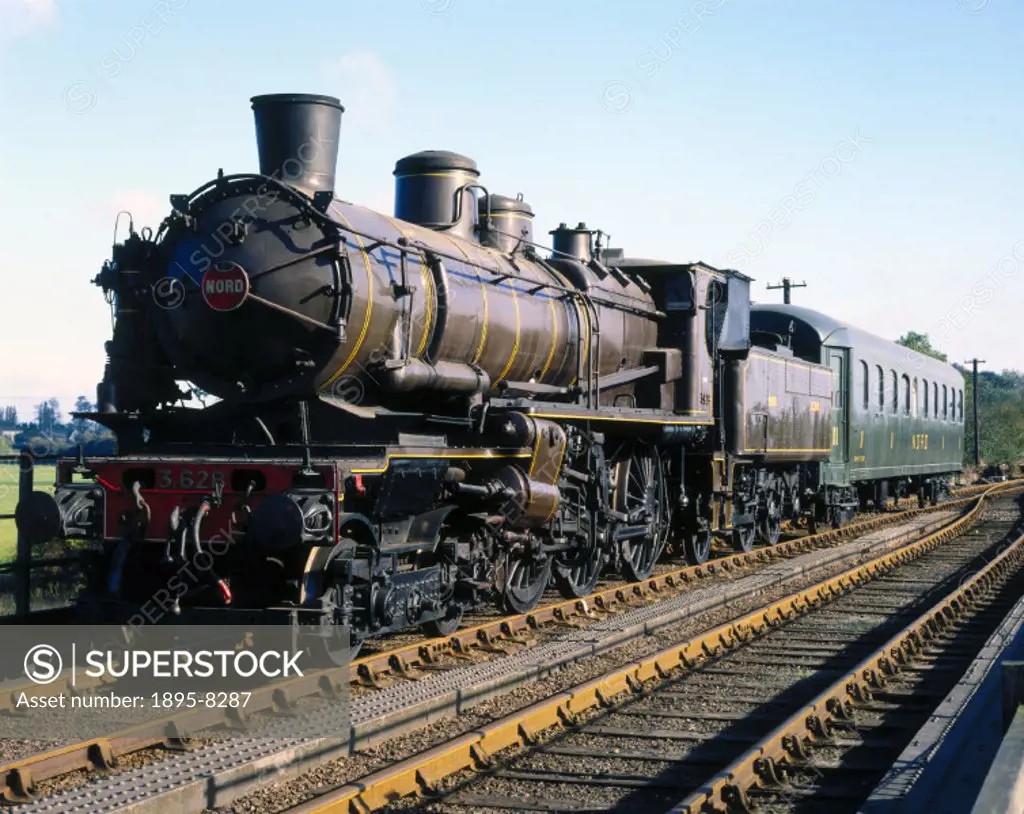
pixel 786 285
pixel 974 388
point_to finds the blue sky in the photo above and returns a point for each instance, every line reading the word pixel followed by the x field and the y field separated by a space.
pixel 872 149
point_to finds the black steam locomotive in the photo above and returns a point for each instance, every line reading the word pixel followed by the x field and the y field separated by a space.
pixel 423 412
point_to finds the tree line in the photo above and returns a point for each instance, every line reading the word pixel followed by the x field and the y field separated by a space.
pixel 47 432
pixel 1000 407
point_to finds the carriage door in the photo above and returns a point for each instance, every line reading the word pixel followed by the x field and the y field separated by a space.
pixel 837 360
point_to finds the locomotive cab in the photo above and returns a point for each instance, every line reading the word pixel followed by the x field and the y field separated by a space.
pixel 707 312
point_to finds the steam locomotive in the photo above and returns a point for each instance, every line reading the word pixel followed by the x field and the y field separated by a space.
pixel 420 413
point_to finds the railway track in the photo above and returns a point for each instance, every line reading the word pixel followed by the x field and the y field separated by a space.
pixel 400 655
pixel 788 705
pixel 20 777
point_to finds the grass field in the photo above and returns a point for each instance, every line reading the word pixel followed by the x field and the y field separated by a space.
pixel 44 476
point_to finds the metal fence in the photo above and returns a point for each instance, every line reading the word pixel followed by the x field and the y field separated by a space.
pixel 24 563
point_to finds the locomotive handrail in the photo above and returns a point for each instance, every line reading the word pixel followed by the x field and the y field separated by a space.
pixel 303 203
pixel 589 301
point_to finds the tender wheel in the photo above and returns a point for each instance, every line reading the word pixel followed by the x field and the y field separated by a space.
pixel 835 518
pixel 520 582
pixel 640 491
pixel 696 533
pixel 770 528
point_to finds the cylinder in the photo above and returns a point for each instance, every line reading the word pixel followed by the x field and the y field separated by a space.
pixel 571 244
pixel 432 190
pixel 531 504
pixel 511 225
pixel 297 139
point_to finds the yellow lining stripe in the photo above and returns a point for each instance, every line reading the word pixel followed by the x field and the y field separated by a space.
pixel 483 331
pixel 558 468
pixel 575 417
pixel 554 340
pixel 369 304
pixel 446 456
pixel 453 174
pixel 584 313
pixel 457 244
pixel 428 283
pixel 536 452
pixel 515 215
pixel 515 345
pixel 565 304
pixel 786 449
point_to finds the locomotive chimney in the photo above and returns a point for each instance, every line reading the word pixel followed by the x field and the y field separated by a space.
pixel 297 138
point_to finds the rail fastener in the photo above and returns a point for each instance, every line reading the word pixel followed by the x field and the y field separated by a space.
pixel 421 774
pixel 19 777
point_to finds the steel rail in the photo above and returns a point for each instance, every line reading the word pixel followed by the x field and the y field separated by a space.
pixel 18 778
pixel 369 669
pixel 765 766
pixel 422 773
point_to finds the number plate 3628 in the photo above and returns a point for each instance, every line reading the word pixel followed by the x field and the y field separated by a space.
pixel 188 479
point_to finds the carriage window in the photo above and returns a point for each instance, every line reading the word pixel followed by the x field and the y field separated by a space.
pixel 935 398
pixel 914 406
pixel 960 411
pixel 865 384
pixel 895 392
pixel 881 387
pixel 945 404
pixel 905 393
pixel 925 383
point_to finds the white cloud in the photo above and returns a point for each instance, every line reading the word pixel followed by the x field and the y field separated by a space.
pixel 366 87
pixel 20 18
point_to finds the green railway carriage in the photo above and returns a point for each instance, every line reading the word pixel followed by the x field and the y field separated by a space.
pixel 897 416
